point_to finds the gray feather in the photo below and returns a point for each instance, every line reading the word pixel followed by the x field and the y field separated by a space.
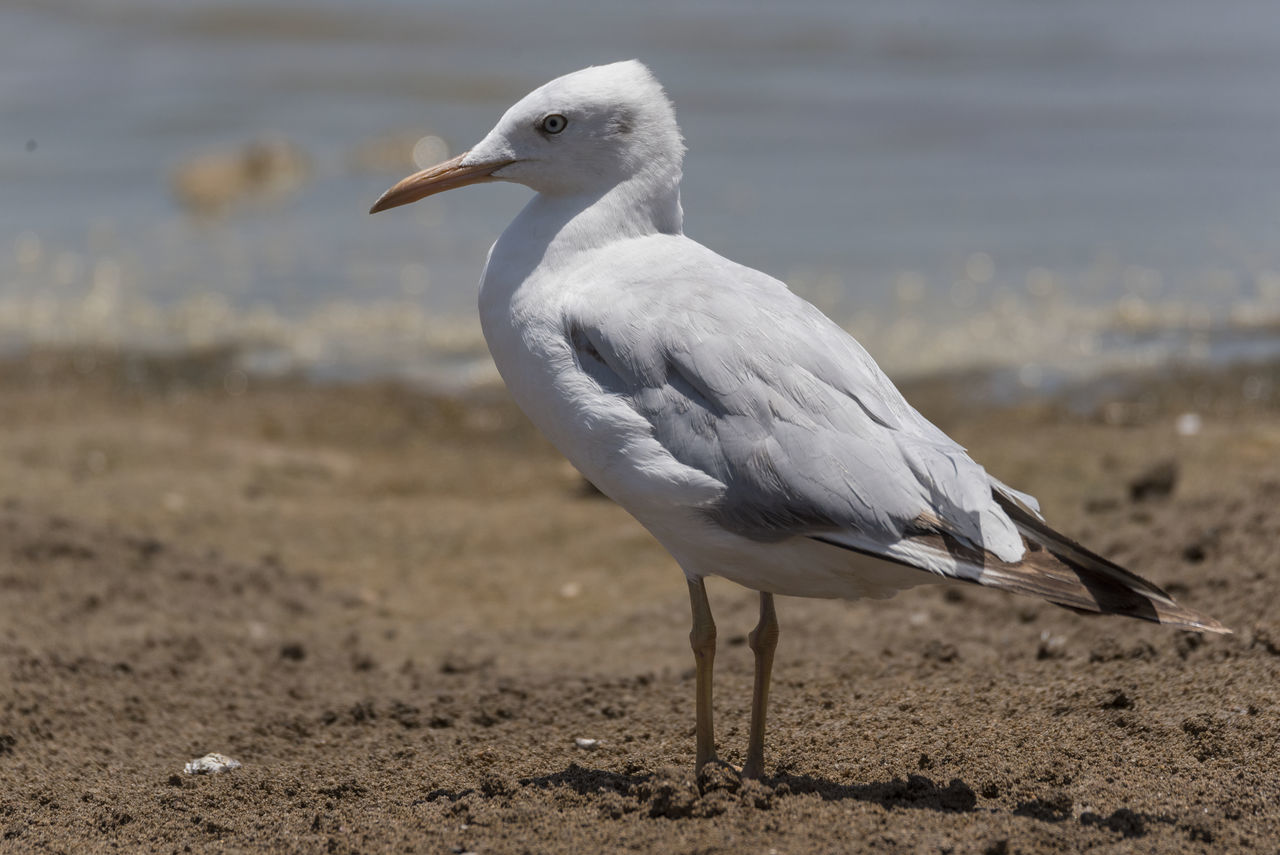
pixel 780 406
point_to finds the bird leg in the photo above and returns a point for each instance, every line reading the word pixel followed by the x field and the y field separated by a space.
pixel 703 641
pixel 763 641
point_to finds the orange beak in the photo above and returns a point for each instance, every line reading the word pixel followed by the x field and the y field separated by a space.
pixel 437 179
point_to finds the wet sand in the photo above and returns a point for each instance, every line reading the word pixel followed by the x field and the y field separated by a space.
pixel 398 612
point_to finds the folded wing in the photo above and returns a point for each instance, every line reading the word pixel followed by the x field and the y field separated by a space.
pixel 762 392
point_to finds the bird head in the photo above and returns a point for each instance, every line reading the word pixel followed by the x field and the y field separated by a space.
pixel 583 133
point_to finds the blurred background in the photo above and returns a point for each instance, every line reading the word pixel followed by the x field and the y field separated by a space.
pixel 1046 191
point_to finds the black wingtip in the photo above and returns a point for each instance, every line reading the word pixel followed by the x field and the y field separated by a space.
pixel 1115 589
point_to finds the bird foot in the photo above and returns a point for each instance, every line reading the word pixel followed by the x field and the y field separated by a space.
pixel 719 775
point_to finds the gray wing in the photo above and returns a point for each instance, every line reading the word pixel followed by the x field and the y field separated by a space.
pixel 748 383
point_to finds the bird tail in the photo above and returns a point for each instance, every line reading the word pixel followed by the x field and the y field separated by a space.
pixel 1060 570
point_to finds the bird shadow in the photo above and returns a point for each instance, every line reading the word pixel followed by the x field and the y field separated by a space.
pixel 915 792
pixel 677 793
pixel 585 781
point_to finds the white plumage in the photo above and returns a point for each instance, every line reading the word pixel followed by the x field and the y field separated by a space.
pixel 748 432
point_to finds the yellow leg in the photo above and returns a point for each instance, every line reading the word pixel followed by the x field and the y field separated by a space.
pixel 763 640
pixel 703 641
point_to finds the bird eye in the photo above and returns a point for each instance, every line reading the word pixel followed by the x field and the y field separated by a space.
pixel 554 124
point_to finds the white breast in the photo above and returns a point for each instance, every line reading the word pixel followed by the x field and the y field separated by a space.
pixel 600 434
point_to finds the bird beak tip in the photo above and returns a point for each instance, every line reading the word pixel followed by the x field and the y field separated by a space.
pixel 437 179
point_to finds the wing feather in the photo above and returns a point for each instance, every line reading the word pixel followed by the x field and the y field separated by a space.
pixel 767 395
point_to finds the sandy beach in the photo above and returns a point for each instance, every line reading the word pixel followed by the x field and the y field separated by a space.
pixel 262 496
pixel 400 612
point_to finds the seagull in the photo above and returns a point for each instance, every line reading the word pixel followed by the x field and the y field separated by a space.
pixel 748 432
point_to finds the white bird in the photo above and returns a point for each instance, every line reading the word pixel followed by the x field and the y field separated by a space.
pixel 748 432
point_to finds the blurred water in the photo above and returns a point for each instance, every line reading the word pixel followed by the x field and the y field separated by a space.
pixel 1050 186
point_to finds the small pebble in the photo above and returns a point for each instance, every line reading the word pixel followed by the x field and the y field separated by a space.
pixel 1051 646
pixel 211 764
pixel 586 744
pixel 1188 424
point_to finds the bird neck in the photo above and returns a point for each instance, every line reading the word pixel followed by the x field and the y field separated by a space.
pixel 646 203
pixel 552 232
pixel 556 227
